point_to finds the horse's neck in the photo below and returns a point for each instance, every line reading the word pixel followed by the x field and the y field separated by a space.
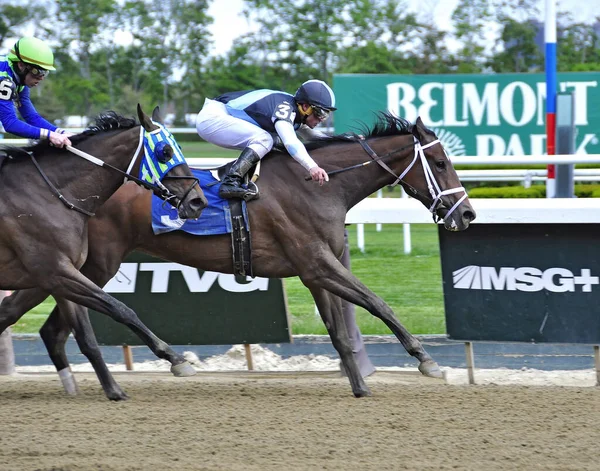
pixel 361 182
pixel 92 181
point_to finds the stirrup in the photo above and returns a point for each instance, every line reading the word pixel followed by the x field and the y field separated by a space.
pixel 252 192
pixel 228 191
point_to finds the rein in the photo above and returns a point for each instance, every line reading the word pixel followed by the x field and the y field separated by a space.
pixel 157 188
pixel 56 191
pixel 435 200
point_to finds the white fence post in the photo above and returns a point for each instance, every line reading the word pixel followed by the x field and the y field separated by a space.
pixel 406 231
pixel 360 237
pixel 379 195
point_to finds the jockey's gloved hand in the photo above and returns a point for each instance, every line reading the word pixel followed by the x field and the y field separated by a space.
pixel 59 140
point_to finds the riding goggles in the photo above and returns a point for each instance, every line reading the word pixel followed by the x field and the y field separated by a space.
pixel 321 113
pixel 37 72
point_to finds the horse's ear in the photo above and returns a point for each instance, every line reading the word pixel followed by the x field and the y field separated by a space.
pixel 417 129
pixel 156 116
pixel 145 120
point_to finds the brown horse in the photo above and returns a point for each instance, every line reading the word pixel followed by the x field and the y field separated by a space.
pixel 45 212
pixel 297 229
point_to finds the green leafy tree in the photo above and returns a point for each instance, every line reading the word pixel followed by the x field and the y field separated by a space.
pixel 577 47
pixel 314 39
pixel 517 50
pixel 304 35
pixel 85 21
pixel 471 19
pixel 169 38
pixel 12 18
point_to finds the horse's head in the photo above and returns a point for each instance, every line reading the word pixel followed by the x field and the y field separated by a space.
pixel 163 165
pixel 431 179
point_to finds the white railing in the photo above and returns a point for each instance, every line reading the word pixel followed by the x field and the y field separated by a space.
pixel 489 211
pixel 24 142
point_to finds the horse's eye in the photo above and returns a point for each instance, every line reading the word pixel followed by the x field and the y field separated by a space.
pixel 163 152
pixel 440 164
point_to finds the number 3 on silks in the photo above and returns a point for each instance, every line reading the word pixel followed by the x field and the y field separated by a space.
pixel 7 89
pixel 283 111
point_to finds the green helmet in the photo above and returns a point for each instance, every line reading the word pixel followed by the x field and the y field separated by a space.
pixel 32 51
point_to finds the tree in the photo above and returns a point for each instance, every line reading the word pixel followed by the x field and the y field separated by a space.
pixel 313 39
pixel 471 19
pixel 517 51
pixel 11 19
pixel 170 38
pixel 84 20
pixel 577 45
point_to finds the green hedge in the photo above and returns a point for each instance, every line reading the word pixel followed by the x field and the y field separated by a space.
pixel 535 191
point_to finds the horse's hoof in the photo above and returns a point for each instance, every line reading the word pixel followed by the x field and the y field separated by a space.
pixel 183 369
pixel 431 369
pixel 119 395
pixel 362 393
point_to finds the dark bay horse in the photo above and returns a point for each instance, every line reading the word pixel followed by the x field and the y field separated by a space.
pixel 297 229
pixel 45 212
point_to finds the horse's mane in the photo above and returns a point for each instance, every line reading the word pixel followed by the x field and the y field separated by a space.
pixel 109 121
pixel 386 124
pixel 104 122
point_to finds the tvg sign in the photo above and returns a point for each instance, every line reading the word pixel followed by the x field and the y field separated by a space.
pixel 473 114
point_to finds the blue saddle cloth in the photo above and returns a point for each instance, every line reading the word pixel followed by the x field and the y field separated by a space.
pixel 215 218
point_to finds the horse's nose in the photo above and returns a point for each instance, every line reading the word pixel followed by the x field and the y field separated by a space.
pixel 468 216
pixel 196 205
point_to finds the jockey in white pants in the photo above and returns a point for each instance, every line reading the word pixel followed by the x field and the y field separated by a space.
pixel 248 119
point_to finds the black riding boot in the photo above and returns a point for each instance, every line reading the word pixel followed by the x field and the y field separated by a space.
pixel 231 187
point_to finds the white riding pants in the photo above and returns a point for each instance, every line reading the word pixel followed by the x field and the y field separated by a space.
pixel 215 125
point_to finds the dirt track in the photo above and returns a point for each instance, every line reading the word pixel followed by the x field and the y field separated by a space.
pixel 301 421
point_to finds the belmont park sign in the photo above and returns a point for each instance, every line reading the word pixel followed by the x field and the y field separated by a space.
pixel 502 114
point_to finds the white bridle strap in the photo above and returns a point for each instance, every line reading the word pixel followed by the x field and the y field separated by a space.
pixel 432 185
pixel 140 142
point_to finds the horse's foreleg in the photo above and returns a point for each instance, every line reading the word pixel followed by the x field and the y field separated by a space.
pixel 77 318
pixel 330 309
pixel 75 287
pixel 329 274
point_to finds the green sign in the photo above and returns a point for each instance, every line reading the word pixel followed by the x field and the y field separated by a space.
pixel 503 114
pixel 186 306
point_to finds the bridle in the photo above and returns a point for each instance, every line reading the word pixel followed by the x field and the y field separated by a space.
pixel 156 186
pixel 434 199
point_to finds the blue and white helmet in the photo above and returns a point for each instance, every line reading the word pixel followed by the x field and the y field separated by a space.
pixel 316 93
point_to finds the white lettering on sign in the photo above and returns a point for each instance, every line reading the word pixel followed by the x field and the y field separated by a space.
pixel 528 279
pixel 125 279
pixel 484 105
